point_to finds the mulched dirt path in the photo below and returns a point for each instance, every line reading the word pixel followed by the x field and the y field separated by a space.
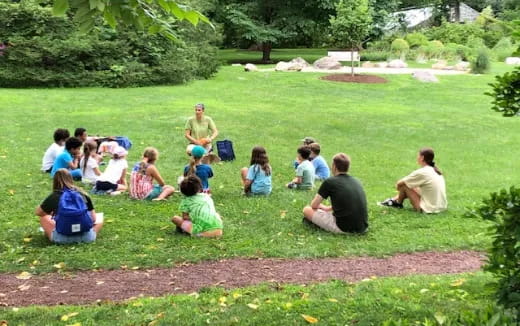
pixel 348 78
pixel 115 285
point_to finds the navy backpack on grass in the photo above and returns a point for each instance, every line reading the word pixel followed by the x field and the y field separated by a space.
pixel 72 217
pixel 225 150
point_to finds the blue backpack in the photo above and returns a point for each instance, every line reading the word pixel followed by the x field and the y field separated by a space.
pixel 225 150
pixel 72 217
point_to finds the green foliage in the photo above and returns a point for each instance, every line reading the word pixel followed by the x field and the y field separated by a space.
pixel 506 93
pixel 400 47
pixel 416 39
pixel 154 16
pixel 47 51
pixel 480 64
pixel 369 55
pixel 454 33
pixel 475 43
pixel 351 24
pixel 433 50
pixel 503 49
pixel 453 51
pixel 503 210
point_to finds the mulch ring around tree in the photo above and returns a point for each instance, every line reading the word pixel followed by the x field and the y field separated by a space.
pixel 84 287
pixel 362 79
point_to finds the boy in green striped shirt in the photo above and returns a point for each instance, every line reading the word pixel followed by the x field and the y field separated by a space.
pixel 199 217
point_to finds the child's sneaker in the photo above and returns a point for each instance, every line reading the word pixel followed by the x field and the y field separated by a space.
pixel 390 202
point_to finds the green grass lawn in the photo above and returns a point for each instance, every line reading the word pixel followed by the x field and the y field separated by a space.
pixel 420 300
pixel 380 126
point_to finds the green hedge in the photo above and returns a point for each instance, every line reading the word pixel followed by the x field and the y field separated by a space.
pixel 47 51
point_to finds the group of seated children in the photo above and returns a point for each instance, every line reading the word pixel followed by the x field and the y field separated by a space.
pixel 425 188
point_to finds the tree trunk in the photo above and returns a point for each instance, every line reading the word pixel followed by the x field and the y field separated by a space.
pixel 266 52
pixel 457 11
pixel 352 63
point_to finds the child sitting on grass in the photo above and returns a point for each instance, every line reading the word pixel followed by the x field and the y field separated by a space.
pixel 321 169
pixel 196 167
pixel 304 179
pixel 69 158
pixel 60 136
pixel 113 179
pixel 143 175
pixel 89 163
pixel 257 178
pixel 199 217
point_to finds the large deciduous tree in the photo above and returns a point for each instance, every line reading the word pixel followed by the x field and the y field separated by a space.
pixel 271 22
pixel 351 25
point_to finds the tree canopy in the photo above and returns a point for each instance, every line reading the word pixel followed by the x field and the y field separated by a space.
pixel 154 16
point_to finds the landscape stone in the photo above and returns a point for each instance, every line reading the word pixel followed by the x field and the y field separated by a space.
pixel 513 60
pixel 425 77
pixel 462 66
pixel 368 64
pixel 381 64
pixel 295 64
pixel 250 67
pixel 397 64
pixel 327 63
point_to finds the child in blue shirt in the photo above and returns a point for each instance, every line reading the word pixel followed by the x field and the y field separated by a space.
pixel 196 167
pixel 321 169
pixel 257 178
pixel 69 158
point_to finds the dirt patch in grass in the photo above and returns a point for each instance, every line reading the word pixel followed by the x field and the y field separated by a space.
pixel 348 78
pixel 115 285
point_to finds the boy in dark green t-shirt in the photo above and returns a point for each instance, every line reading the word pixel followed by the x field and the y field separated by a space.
pixel 348 212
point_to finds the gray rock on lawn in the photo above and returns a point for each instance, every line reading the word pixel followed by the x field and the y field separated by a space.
pixel 296 64
pixel 328 63
pixel 513 60
pixel 462 66
pixel 381 64
pixel 250 67
pixel 368 64
pixel 425 77
pixel 397 64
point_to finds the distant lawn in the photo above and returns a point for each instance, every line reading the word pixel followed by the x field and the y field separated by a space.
pixel 380 126
pixel 246 56
pixel 417 300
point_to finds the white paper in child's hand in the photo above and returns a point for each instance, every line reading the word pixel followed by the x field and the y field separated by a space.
pixel 99 218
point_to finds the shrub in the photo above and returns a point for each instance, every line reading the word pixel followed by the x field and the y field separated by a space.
pixel 400 47
pixel 506 94
pixel 453 51
pixel 503 210
pixel 454 32
pixel 368 55
pixel 503 49
pixel 47 51
pixel 416 39
pixel 433 50
pixel 480 64
pixel 475 43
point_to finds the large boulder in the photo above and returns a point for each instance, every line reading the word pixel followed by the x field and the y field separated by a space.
pixel 295 64
pixel 397 64
pixel 425 77
pixel 250 67
pixel 382 64
pixel 368 64
pixel 462 66
pixel 513 60
pixel 327 63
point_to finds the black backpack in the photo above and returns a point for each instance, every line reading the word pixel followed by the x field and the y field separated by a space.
pixel 225 150
pixel 73 216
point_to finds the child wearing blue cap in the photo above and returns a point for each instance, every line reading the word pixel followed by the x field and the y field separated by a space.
pixel 196 167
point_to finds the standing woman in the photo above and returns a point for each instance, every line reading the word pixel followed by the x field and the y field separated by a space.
pixel 200 130
pixel 424 187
